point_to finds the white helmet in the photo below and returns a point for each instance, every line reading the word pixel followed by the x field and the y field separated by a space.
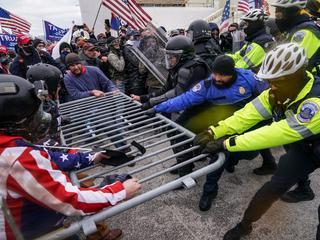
pixel 255 15
pixel 289 3
pixel 284 60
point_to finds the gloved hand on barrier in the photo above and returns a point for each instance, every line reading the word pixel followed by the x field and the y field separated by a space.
pixel 214 146
pixel 203 138
pixel 146 106
pixel 151 112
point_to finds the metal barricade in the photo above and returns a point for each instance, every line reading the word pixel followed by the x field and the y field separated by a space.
pixel 112 122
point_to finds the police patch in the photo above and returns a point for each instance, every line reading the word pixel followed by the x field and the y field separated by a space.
pixel 242 90
pixel 196 88
pixel 307 112
pixel 298 36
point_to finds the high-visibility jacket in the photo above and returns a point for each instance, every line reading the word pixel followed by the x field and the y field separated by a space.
pixel 300 120
pixel 253 52
pixel 307 35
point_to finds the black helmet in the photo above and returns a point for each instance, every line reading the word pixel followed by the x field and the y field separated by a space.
pixel 198 30
pixel 21 111
pixel 51 75
pixel 178 49
pixel 18 99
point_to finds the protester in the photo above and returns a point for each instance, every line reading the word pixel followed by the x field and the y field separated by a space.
pixel 35 190
pixel 4 60
pixel 116 63
pixel 84 81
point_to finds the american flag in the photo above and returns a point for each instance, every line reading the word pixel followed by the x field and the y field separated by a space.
pixel 266 7
pixel 129 11
pixel 16 24
pixel 225 17
pixel 243 6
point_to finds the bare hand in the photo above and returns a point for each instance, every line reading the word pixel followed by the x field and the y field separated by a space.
pixel 135 97
pixel 132 187
pixel 98 157
pixel 116 92
pixel 104 59
pixel 97 93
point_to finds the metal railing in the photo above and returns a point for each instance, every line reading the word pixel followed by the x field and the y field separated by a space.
pixel 112 121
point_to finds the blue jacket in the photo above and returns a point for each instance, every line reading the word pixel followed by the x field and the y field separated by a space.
pixel 245 87
pixel 92 78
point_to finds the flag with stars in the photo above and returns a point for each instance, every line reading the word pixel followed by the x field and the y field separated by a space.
pixel 225 17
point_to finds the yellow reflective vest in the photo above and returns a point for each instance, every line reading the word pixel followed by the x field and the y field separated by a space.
pixel 310 42
pixel 302 123
pixel 249 56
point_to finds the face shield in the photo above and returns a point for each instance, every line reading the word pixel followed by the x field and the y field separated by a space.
pixel 190 34
pixel 172 58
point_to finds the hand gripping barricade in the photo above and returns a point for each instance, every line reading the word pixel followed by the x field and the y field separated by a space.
pixel 104 123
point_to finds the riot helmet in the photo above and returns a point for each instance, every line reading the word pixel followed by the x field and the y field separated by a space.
pixel 51 76
pixel 199 30
pixel 21 112
pixel 178 50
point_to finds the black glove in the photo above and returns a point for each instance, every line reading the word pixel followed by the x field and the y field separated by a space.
pixel 115 158
pixel 215 146
pixel 144 98
pixel 203 138
pixel 146 106
pixel 151 112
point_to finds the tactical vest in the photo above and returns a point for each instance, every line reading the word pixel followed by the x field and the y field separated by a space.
pixel 185 72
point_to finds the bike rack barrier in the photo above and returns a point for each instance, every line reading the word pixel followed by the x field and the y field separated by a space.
pixel 115 119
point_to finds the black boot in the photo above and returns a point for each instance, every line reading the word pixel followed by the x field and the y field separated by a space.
pixel 303 192
pixel 266 169
pixel 206 200
pixel 239 231
pixel 269 165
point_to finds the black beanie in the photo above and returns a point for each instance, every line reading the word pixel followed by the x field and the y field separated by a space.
pixel 37 41
pixel 223 65
pixel 71 59
pixel 64 45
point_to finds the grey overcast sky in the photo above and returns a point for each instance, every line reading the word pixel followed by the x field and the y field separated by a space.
pixel 58 12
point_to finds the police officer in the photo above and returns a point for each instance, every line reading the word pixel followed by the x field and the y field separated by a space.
pixel 292 20
pixel 43 194
pixel 313 9
pixel 293 102
pixel 206 47
pixel 298 27
pixel 258 41
pixel 185 70
pixel 225 91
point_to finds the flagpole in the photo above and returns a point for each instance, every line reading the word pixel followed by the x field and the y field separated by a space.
pixel 95 20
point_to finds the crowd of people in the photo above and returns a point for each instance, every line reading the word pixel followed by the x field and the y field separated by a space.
pixel 244 91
